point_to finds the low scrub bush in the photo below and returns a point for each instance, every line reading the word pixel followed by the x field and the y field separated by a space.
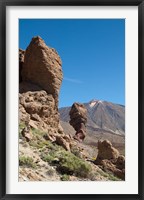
pixel 65 177
pixel 26 161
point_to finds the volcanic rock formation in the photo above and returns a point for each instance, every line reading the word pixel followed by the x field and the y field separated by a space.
pixel 21 61
pixel 110 159
pixel 78 119
pixel 42 66
pixel 41 77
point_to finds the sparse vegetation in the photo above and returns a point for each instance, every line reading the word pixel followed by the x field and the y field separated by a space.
pixel 38 143
pixel 37 132
pixel 70 164
pixel 21 126
pixel 109 175
pixel 26 161
pixel 48 158
pixel 50 172
pixel 76 152
pixel 65 177
pixel 66 163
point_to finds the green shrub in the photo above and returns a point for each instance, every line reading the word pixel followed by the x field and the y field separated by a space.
pixel 76 152
pixel 37 132
pixel 70 164
pixel 48 158
pixel 66 162
pixel 65 177
pixel 26 161
pixel 39 143
pixel 21 126
pixel 109 175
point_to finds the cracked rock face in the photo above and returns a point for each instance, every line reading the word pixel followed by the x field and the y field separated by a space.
pixel 42 66
pixel 41 78
pixel 78 119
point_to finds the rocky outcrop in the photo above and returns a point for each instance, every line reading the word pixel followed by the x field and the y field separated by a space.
pixel 110 159
pixel 106 151
pixel 41 77
pixel 21 61
pixel 42 66
pixel 39 109
pixel 26 133
pixel 78 119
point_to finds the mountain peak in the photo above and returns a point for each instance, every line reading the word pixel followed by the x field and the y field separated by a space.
pixel 94 102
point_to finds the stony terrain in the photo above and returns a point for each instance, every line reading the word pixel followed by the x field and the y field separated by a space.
pixel 47 152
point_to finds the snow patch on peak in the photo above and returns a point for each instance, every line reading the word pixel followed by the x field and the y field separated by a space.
pixel 94 102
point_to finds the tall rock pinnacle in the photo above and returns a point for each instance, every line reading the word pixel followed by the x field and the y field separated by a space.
pixel 42 66
pixel 41 75
pixel 78 119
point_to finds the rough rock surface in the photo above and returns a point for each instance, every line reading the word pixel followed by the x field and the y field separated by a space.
pixel 78 119
pixel 106 151
pixel 21 61
pixel 110 159
pixel 39 109
pixel 42 66
pixel 41 74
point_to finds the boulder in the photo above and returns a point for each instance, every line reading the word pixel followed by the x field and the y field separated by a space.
pixel 62 142
pixel 110 159
pixel 106 151
pixel 26 133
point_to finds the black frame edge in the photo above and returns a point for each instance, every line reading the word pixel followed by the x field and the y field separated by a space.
pixel 72 2
pixel 140 4
pixel 2 101
pixel 141 98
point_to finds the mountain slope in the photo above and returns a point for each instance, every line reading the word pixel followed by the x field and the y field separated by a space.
pixel 102 116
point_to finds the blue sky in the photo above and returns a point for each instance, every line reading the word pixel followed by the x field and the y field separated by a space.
pixel 92 53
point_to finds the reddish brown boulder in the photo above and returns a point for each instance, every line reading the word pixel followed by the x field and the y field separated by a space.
pixel 106 151
pixel 110 159
pixel 78 119
pixel 120 163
